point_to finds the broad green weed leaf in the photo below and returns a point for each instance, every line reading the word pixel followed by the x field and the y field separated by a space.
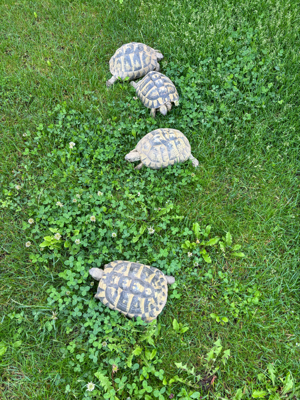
pixel 196 229
pixel 137 351
pixel 175 325
pixel 238 395
pixel 104 381
pixel 288 384
pixel 272 371
pixel 206 258
pixel 228 239
pixel 3 349
pixel 212 242
pixel 241 255
pixel 259 394
pixel 17 344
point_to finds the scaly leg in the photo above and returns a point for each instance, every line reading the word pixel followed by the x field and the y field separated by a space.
pixel 157 68
pixel 194 160
pixel 139 166
pixel 111 81
pixel 153 112
pixel 133 84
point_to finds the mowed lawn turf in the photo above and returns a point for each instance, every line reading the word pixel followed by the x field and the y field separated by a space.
pixel 236 67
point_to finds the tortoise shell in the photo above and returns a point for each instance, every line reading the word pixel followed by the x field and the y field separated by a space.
pixel 156 89
pixel 163 147
pixel 133 60
pixel 134 289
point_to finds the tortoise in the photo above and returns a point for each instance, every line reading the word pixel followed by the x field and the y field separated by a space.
pixel 134 289
pixel 133 60
pixel 161 148
pixel 156 91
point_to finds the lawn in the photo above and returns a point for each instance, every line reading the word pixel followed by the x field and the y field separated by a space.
pixel 230 328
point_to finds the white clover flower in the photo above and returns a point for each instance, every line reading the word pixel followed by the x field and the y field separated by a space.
pixel 92 283
pixel 190 254
pixel 18 187
pixel 93 218
pixel 28 244
pixel 54 315
pixel 100 193
pixel 113 234
pixel 114 368
pixel 196 264
pixel 31 221
pixel 135 98
pixel 68 293
pixel 59 204
pixel 24 134
pixel 78 196
pixel 298 344
pixel 71 145
pixel 57 236
pixel 90 386
pixel 77 241
pixel 74 200
pixel 192 174
pixel 104 344
pixel 151 230
pixel 139 194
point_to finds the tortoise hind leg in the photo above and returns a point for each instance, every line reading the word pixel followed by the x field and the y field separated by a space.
pixel 157 68
pixel 194 160
pixel 111 81
pixel 153 112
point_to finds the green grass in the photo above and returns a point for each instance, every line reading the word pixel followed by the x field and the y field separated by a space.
pixel 236 66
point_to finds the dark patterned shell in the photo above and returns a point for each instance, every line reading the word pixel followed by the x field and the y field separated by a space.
pixel 156 89
pixel 163 147
pixel 134 289
pixel 133 60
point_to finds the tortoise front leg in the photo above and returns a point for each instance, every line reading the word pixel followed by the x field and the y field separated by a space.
pixel 111 81
pixel 194 160
pixel 139 166
pixel 153 112
pixel 135 85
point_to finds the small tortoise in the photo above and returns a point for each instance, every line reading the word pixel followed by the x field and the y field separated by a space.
pixel 133 60
pixel 134 289
pixel 156 91
pixel 161 148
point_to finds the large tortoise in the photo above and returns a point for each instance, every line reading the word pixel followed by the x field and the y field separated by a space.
pixel 133 60
pixel 156 91
pixel 161 148
pixel 134 289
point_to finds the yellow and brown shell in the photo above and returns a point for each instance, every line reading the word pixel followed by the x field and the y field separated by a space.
pixel 163 147
pixel 133 60
pixel 134 289
pixel 156 89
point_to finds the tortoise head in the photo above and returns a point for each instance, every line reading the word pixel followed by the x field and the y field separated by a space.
pixel 133 156
pixel 159 56
pixel 163 110
pixel 96 273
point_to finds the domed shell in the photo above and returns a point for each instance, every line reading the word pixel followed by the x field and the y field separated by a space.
pixel 163 147
pixel 156 89
pixel 133 60
pixel 134 289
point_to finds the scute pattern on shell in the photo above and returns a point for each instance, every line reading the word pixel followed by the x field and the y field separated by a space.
pixel 156 89
pixel 134 289
pixel 163 147
pixel 133 60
